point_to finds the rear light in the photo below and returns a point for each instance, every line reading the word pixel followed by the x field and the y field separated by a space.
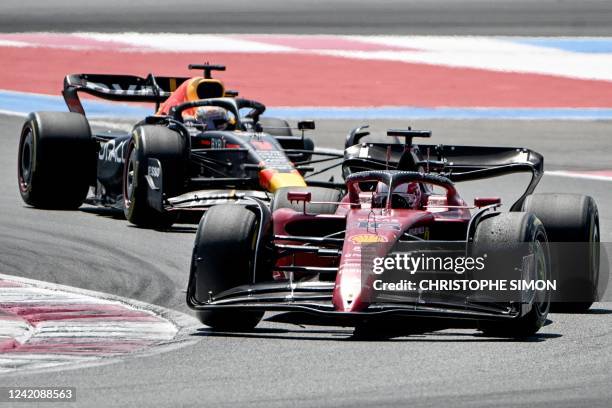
pixel 485 201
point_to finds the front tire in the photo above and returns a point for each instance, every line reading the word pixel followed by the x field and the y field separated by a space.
pixel 223 258
pixel 56 162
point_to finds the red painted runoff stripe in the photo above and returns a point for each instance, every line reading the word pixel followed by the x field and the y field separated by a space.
pixel 7 345
pixel 282 79
pixel 35 313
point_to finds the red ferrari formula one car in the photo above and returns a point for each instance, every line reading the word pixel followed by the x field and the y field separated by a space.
pixel 314 258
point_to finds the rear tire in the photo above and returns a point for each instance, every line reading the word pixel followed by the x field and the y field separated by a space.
pixel 503 233
pixel 223 257
pixel 280 127
pixel 275 126
pixel 327 195
pixel 56 162
pixel 152 142
pixel 571 218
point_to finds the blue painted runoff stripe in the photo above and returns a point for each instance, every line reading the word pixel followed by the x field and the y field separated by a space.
pixel 592 45
pixel 23 103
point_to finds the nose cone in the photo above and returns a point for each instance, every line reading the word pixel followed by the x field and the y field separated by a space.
pixel 348 295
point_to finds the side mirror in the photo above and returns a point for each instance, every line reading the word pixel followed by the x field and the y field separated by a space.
pixel 485 201
pixel 304 196
pixel 306 125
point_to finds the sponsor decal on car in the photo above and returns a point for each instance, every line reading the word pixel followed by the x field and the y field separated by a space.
pixel 154 171
pixel 419 232
pixel 368 238
pixel 112 151
pixel 132 89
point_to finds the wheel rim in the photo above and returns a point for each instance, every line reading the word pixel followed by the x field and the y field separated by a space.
pixel 542 298
pixel 26 160
pixel 128 182
pixel 595 254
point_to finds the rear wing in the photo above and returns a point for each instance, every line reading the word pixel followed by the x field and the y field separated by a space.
pixel 124 88
pixel 457 163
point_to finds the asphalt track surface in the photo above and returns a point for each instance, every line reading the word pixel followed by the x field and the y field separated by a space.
pixel 468 17
pixel 567 364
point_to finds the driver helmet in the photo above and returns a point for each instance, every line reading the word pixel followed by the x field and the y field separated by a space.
pixel 406 195
pixel 213 117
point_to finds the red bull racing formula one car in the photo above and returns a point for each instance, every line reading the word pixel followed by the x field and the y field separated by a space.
pixel 197 150
pixel 248 259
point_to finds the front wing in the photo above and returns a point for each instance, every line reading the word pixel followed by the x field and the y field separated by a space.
pixel 314 297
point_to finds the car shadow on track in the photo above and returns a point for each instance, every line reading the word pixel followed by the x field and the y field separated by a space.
pixel 343 334
pixel 106 212
pixel 597 311
pixel 117 214
pixel 185 229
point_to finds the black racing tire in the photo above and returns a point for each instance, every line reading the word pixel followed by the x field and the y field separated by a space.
pixel 507 232
pixel 570 218
pixel 280 127
pixel 223 255
pixel 308 144
pixel 56 160
pixel 327 195
pixel 169 147
pixel 275 126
